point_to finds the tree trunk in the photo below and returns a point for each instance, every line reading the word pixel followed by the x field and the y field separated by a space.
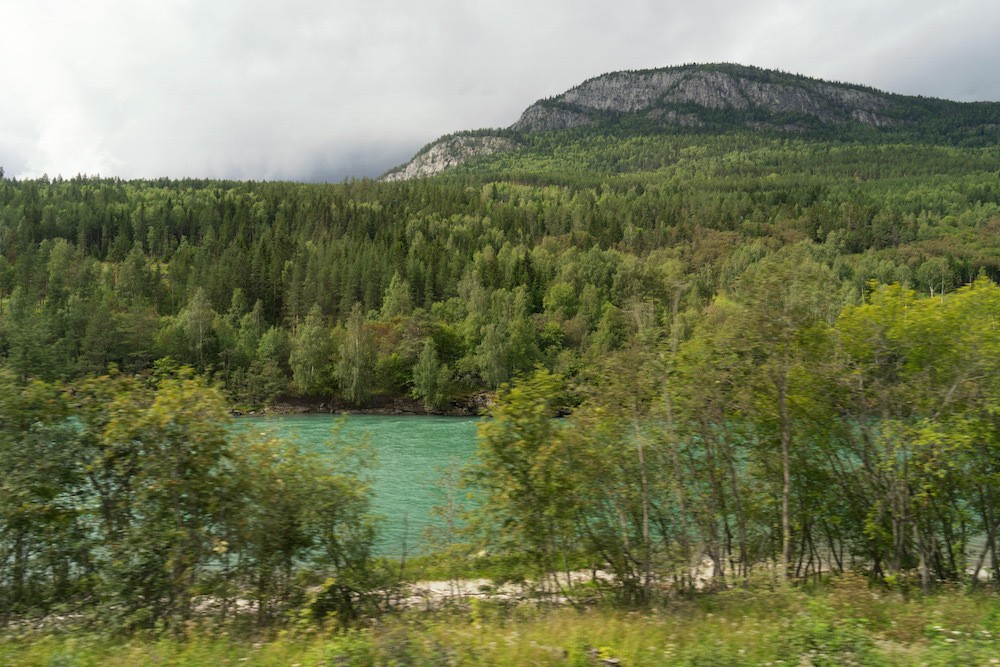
pixel 647 567
pixel 925 575
pixel 786 473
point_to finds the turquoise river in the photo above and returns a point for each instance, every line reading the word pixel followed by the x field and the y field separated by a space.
pixel 410 455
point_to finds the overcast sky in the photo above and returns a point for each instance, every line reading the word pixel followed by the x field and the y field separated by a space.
pixel 325 89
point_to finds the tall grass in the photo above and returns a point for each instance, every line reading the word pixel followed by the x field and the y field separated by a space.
pixel 842 623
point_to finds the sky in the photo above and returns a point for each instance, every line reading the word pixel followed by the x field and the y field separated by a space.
pixel 322 90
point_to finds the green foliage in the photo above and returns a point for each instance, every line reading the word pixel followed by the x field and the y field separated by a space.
pixel 134 499
pixel 521 471
pixel 770 354
pixel 398 300
pixel 160 466
pixel 926 371
pixel 763 429
pixel 572 230
pixel 355 370
pixel 311 355
pixel 431 378
pixel 306 508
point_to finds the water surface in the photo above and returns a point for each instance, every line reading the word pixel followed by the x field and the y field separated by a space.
pixel 411 453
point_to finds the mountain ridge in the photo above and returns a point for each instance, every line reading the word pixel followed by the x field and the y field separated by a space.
pixel 718 97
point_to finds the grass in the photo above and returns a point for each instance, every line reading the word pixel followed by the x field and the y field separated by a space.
pixel 843 623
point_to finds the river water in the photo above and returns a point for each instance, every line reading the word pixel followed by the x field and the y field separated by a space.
pixel 411 454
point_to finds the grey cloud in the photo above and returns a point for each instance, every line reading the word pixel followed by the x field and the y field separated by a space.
pixel 320 90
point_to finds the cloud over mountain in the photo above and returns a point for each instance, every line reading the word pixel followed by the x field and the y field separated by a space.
pixel 316 90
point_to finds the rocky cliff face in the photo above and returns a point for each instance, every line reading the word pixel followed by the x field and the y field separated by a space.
pixel 662 94
pixel 448 153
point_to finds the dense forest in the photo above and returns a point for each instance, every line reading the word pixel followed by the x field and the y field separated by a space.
pixel 444 287
pixel 772 354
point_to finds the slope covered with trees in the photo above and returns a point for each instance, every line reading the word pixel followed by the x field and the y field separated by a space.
pixel 521 259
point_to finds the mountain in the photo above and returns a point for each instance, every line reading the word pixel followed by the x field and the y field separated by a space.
pixel 721 98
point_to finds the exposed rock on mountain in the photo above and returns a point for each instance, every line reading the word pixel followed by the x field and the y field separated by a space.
pixel 720 98
pixel 447 153
pixel 666 93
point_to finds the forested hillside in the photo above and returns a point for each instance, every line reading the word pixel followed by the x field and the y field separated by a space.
pixel 447 286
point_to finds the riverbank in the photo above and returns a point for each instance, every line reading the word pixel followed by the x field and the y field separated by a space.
pixel 470 406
